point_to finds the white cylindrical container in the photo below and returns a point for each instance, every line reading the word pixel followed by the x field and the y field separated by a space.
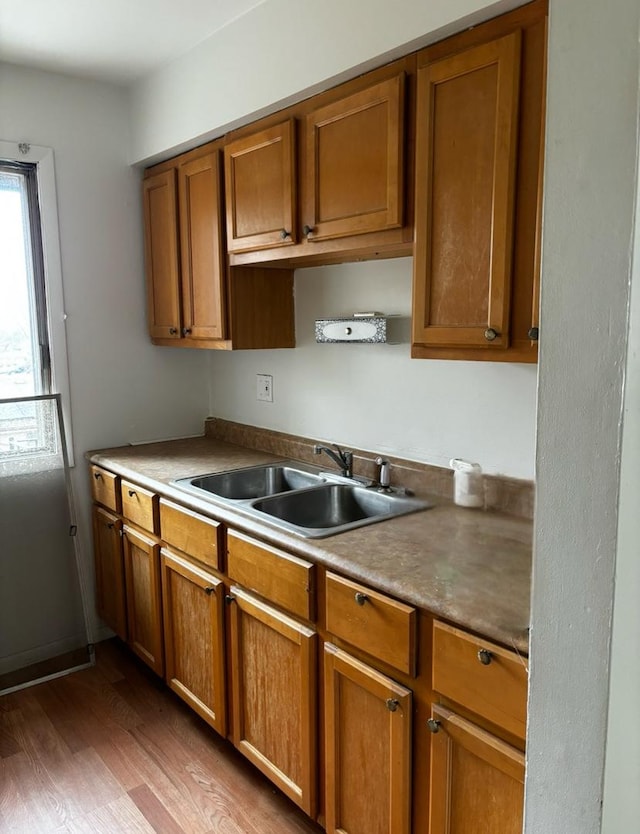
pixel 468 486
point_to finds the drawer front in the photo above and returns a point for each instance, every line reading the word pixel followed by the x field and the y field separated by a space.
pixel 282 579
pixel 105 488
pixel 193 534
pixel 140 506
pixel 373 622
pixel 481 676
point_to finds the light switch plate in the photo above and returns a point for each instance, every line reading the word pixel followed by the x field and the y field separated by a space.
pixel 265 387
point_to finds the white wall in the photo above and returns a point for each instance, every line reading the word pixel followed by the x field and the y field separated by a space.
pixel 375 396
pixel 590 185
pixel 122 388
pixel 273 54
pixel 622 775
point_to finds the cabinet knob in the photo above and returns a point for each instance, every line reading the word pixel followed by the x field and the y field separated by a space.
pixel 307 230
pixel 532 333
pixel 485 657
pixel 392 704
pixel 490 334
pixel 348 331
pixel 131 492
pixel 360 598
pixel 173 331
pixel 229 599
pixel 186 331
pixel 209 590
pixel 434 725
pixel 284 234
pixel 97 476
pixel 110 525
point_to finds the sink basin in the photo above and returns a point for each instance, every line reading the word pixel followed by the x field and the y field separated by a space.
pixel 255 482
pixel 334 508
pixel 309 503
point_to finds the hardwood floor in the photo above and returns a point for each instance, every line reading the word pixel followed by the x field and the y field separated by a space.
pixel 110 750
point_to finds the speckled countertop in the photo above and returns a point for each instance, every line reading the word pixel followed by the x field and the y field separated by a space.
pixel 467 566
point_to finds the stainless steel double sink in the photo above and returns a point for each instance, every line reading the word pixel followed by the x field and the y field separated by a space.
pixel 301 499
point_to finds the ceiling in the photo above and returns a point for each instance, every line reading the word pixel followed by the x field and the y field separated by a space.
pixel 110 40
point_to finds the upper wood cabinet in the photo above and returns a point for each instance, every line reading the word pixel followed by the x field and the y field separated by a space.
pixel 325 181
pixel 184 251
pixel 480 108
pixel 260 178
pixel 194 300
pixel 467 131
pixel 160 203
pixel 201 248
pixel 354 176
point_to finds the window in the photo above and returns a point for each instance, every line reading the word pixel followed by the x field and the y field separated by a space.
pixel 31 312
pixel 24 353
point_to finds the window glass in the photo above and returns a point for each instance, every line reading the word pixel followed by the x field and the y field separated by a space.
pixel 24 352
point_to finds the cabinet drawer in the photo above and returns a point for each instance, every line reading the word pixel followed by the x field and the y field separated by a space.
pixel 373 622
pixel 485 678
pixel 104 488
pixel 191 533
pixel 140 506
pixel 282 579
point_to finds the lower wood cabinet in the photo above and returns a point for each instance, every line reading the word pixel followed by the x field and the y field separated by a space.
pixel 368 719
pixel 144 599
pixel 274 696
pixel 109 562
pixel 248 663
pixel 193 616
pixel 477 780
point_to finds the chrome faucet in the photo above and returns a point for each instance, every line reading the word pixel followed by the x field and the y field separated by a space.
pixel 343 458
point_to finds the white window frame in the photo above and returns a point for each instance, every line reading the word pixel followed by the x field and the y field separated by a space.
pixel 42 157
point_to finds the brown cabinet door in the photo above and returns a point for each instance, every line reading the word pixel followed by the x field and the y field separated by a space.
pixel 161 255
pixel 467 120
pixel 260 189
pixel 109 561
pixel 274 696
pixel 367 748
pixel 201 245
pixel 144 606
pixel 193 603
pixel 354 165
pixel 477 781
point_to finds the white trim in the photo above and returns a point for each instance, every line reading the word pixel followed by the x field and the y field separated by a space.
pixel 47 678
pixel 43 157
pixel 40 654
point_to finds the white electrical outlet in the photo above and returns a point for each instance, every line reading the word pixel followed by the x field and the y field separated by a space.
pixel 265 387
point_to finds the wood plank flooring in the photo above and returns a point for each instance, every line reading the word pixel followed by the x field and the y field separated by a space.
pixel 110 750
